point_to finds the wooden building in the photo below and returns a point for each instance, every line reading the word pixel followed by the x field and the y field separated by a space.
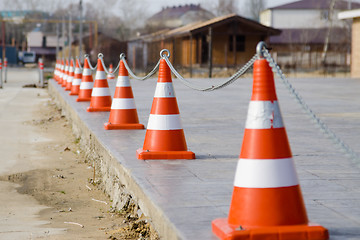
pixel 226 41
pixel 107 45
pixel 354 15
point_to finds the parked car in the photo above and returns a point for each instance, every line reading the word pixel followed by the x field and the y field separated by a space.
pixel 27 57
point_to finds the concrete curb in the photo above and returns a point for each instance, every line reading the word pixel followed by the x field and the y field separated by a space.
pixel 118 180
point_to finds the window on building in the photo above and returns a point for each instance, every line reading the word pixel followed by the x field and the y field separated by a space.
pixel 43 41
pixel 239 43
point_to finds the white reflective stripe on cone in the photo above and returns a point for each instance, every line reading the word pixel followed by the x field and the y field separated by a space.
pixel 123 103
pixel 76 81
pixel 69 79
pixel 123 81
pixel 264 115
pixel 164 122
pixel 100 75
pixel 265 173
pixel 87 72
pixel 165 90
pixel 100 92
pixel 86 85
pixel 78 71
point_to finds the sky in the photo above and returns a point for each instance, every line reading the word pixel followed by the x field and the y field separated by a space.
pixel 156 5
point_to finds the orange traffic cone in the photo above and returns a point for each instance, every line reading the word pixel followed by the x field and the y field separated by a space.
pixel 56 69
pixel 267 202
pixel 123 114
pixel 66 74
pixel 70 77
pixel 75 86
pixel 100 96
pixel 164 138
pixel 61 73
pixel 58 65
pixel 111 75
pixel 86 84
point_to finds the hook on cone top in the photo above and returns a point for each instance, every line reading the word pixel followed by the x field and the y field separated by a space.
pixel 165 53
pixel 259 49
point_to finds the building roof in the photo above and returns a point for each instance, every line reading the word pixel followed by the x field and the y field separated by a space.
pixel 317 4
pixel 172 17
pixel 355 13
pixel 175 11
pixel 311 36
pixel 194 28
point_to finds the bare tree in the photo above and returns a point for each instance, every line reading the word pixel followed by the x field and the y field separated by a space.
pixel 222 7
pixel 255 7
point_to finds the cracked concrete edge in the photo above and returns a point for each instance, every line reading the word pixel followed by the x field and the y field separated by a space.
pixel 117 180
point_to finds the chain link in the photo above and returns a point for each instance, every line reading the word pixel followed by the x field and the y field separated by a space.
pixel 150 74
pixel 79 62
pixel 230 80
pixel 103 64
pixel 116 69
pixel 323 127
pixel 91 67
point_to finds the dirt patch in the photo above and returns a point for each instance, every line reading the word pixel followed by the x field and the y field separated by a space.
pixel 72 190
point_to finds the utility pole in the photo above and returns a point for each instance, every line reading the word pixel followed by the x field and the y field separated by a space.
pixel 3 40
pixel 70 36
pixel 327 38
pixel 57 40
pixel 80 31
pixel 210 60
pixel 63 37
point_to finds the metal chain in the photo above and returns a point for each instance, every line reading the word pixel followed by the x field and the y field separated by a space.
pixel 354 156
pixel 116 69
pixel 78 59
pixel 150 74
pixel 88 59
pixel 230 80
pixel 100 56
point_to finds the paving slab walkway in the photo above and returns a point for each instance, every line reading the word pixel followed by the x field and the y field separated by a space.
pixel 191 193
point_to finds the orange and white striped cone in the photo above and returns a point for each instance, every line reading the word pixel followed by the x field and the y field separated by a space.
pixel 70 76
pixel 86 84
pixel 75 86
pixel 56 70
pixel 100 96
pixel 66 74
pixel 267 202
pixel 61 72
pixel 123 114
pixel 111 75
pixel 164 138
pixel 58 64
